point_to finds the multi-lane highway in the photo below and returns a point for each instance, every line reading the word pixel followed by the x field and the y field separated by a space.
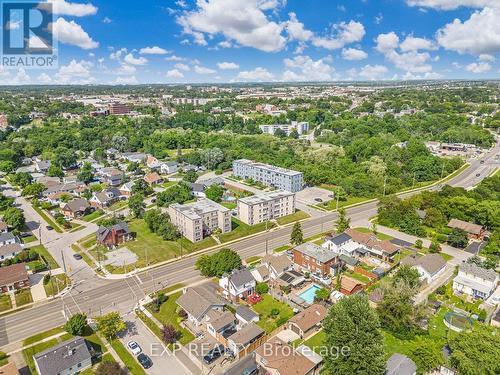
pixel 95 296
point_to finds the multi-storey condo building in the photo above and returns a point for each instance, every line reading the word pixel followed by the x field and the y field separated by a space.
pixel 118 109
pixel 259 208
pixel 301 127
pixel 269 175
pixel 198 219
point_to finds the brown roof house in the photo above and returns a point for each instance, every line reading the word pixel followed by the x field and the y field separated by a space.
pixel 4 228
pixel 76 208
pixel 308 320
pixel 105 198
pixel 370 245
pixel 114 235
pixel 13 278
pixel 279 358
pixel 350 286
pixel 474 231
pixel 153 178
pixel 197 302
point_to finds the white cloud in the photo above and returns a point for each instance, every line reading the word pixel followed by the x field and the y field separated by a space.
pixel 481 67
pixel 227 65
pixel 126 70
pixel 485 57
pixel 225 44
pixel 132 80
pixel 296 29
pixel 182 67
pixel 107 20
pixel 118 54
pixel 304 68
pixel 203 70
pixel 175 73
pixel 66 8
pixel 353 54
pixel 155 50
pixel 414 44
pixel 373 72
pixel 387 42
pixel 242 21
pixel 345 33
pixel 479 34
pixel 132 60
pixel 451 4
pixel 76 72
pixel 44 78
pixel 378 19
pixel 174 58
pixel 258 74
pixel 72 33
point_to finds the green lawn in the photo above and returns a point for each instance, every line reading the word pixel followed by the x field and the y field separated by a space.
pixel 315 342
pixel 118 205
pixel 380 236
pixel 159 250
pixel 23 297
pixel 173 287
pixel 29 352
pixel 93 215
pixel 168 315
pixel 128 359
pixel 264 308
pixel 229 205
pixel 42 335
pixel 253 259
pixel 5 303
pixel 240 229
pixel 298 215
pixel 282 249
pixel 29 239
pixel 357 276
pixel 56 281
pixel 42 251
pixel 332 205
pixel 169 184
pixel 50 221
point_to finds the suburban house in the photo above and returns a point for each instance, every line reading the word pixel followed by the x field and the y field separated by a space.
pixel 198 219
pixel 42 166
pixel 169 167
pixel 152 162
pixel 238 284
pixel 134 157
pixel 221 323
pixel 4 228
pixel 69 357
pixel 241 340
pixel 350 286
pixel 8 238
pixel 279 358
pixel 245 315
pixel 153 178
pixel 308 320
pixel 399 364
pixel 10 251
pixel 126 189
pixel 317 260
pixel 429 266
pixel 267 206
pixel 197 302
pixel 112 176
pixel 495 319
pixel 197 190
pixel 277 265
pixel 76 208
pixel 475 281
pixel 105 198
pixel 13 278
pixel 260 274
pixel 474 231
pixel 71 188
pixel 114 235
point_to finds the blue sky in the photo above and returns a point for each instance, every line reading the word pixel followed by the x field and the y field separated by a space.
pixel 184 41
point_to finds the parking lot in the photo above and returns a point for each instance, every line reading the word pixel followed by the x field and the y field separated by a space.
pixel 314 195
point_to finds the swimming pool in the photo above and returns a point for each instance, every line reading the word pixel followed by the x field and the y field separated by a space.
pixel 309 294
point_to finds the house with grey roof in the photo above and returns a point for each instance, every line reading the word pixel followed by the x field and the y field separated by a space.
pixel 244 337
pixel 221 323
pixel 105 198
pixel 246 315
pixel 10 251
pixel 317 260
pixel 8 238
pixel 429 266
pixel 169 167
pixel 69 357
pixel 475 281
pixel 238 284
pixel 277 265
pixel 76 208
pixel 197 302
pixel 399 364
pixel 42 166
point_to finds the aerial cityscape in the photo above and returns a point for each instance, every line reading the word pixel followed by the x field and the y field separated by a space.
pixel 250 187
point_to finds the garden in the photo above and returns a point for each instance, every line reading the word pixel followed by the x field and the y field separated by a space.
pixel 272 312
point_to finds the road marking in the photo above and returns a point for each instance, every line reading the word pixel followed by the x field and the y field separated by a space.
pixel 139 279
pixel 64 314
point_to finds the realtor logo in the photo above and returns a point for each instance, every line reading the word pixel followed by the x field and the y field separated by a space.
pixel 27 40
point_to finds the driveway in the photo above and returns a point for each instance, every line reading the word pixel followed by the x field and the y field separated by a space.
pixel 163 362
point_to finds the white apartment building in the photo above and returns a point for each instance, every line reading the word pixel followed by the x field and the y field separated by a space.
pixel 263 207
pixel 199 219
pixel 300 127
pixel 192 101
pixel 269 175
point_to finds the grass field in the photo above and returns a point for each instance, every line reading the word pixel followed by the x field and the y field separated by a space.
pixel 56 281
pixel 23 297
pixel 5 303
pixel 229 205
pixel 315 342
pixel 298 215
pixel 269 322
pixel 93 215
pixel 380 236
pixel 42 335
pixel 332 205
pixel 168 315
pixel 48 219
pixel 240 229
pixel 41 250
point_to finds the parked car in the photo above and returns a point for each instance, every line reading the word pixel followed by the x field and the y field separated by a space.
pixel 49 227
pixel 478 174
pixel 77 256
pixel 481 162
pixel 318 199
pixel 213 354
pixel 134 347
pixel 251 370
pixel 144 360
pixel 25 234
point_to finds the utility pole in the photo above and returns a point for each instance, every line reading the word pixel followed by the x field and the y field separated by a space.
pixel 385 183
pixel 63 261
pixel 40 232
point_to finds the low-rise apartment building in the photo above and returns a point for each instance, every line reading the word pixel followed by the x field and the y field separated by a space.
pixel 300 127
pixel 317 260
pixel 269 175
pixel 263 207
pixel 199 219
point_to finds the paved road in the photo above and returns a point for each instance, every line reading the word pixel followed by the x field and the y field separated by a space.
pixel 121 295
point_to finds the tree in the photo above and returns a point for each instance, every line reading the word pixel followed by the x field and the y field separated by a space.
pixel 22 179
pixel 169 334
pixel 426 353
pixel 85 175
pixel 76 324
pixel 190 176
pixel 219 263
pixel 297 237
pixel 212 157
pixel 458 238
pixel 343 222
pixel 476 351
pixel 435 247
pixel 353 340
pixel 14 218
pixel 419 243
pixel 136 205
pixel 109 368
pixel 7 166
pixel 262 288
pixel 214 193
pixel 322 294
pixel 408 275
pixel 55 171
pixel 33 190
pixel 142 187
pixel 5 202
pixel 110 324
